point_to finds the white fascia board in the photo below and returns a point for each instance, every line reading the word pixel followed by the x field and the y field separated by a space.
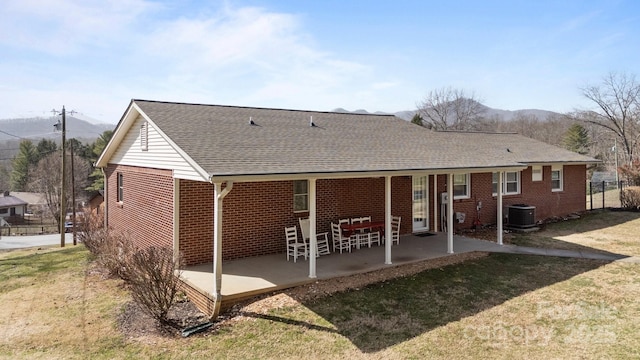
pixel 179 150
pixel 118 134
pixel 347 175
pixel 128 119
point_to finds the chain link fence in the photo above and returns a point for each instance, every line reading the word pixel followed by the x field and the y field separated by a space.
pixel 605 194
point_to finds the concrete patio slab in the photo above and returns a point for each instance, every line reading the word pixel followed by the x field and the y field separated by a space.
pixel 251 276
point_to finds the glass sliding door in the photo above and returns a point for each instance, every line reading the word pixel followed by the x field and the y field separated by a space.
pixel 420 203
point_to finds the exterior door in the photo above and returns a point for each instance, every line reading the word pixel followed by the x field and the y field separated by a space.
pixel 420 203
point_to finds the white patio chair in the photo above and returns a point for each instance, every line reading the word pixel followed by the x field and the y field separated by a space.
pixel 294 248
pixel 375 234
pixel 340 242
pixel 322 239
pixel 362 238
pixel 395 229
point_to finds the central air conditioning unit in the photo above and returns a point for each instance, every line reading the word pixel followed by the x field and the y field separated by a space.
pixel 522 216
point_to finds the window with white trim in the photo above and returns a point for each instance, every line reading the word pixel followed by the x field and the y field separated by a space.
pixel 511 183
pixel 300 195
pixel 120 191
pixel 461 186
pixel 536 173
pixel 144 136
pixel 556 178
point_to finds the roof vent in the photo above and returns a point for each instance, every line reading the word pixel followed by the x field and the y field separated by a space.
pixel 311 122
pixel 508 150
pixel 251 122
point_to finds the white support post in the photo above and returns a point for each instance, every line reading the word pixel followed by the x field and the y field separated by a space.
pixel 500 230
pixel 217 247
pixel 387 220
pixel 218 196
pixel 435 203
pixel 450 214
pixel 313 238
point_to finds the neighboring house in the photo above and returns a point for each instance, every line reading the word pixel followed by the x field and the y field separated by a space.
pixel 96 203
pixel 170 167
pixel 12 207
pixel 37 204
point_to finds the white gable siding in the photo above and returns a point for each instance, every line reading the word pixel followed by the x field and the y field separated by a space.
pixel 159 154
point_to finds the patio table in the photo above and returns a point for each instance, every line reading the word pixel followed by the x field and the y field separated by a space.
pixel 349 229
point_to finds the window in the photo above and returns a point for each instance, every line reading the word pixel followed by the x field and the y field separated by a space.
pixel 300 195
pixel 144 136
pixel 4 211
pixel 556 178
pixel 511 184
pixel 120 188
pixel 536 173
pixel 461 186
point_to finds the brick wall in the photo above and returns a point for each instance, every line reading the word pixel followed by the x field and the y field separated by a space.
pixel 196 221
pixel 146 212
pixel 536 193
pixel 255 214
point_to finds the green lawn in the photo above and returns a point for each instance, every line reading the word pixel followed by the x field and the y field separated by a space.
pixel 499 306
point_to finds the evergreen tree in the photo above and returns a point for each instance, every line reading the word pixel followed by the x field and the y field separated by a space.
pixel 23 162
pixel 96 177
pixel 576 139
pixel 44 148
pixel 417 119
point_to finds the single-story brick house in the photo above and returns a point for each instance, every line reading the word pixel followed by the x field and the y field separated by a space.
pixel 170 167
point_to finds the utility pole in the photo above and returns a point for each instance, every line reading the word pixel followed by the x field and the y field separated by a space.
pixel 63 207
pixel 73 196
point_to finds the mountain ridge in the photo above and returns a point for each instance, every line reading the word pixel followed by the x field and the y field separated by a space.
pixel 37 128
pixel 505 115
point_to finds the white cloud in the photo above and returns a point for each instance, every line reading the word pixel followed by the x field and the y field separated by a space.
pixel 96 56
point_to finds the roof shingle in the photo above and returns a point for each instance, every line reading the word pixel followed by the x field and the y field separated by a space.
pixel 223 142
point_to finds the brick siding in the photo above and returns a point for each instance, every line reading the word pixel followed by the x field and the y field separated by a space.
pixel 146 212
pixel 256 213
pixel 535 193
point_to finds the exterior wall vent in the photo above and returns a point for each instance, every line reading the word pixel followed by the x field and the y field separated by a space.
pixel 144 136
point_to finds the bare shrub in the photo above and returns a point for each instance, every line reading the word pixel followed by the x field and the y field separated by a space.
pixel 112 250
pixel 92 233
pixel 630 198
pixel 154 280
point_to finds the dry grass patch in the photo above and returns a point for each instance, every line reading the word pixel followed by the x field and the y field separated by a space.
pixel 601 231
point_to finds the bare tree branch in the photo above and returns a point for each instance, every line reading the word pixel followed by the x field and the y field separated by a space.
pixel 451 109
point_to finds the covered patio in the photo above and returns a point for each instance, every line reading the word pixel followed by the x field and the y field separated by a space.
pixel 248 277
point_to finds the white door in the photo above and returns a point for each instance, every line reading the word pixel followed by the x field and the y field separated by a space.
pixel 420 203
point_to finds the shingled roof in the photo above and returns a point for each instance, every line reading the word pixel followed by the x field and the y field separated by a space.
pixel 245 141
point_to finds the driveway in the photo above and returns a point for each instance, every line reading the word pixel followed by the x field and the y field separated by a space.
pixel 27 241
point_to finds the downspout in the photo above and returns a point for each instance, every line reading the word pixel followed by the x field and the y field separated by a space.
pixel 105 200
pixel 219 195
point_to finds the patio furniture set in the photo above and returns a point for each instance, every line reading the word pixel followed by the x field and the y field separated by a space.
pixel 346 234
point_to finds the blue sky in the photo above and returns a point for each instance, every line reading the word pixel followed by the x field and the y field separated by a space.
pixel 95 56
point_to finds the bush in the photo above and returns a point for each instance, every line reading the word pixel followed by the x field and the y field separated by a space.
pixel 152 273
pixel 154 280
pixel 630 198
pixel 111 250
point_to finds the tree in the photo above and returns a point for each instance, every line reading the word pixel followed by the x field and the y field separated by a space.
pixel 617 102
pixel 417 119
pixel 97 178
pixel 45 147
pixel 451 109
pixel 46 180
pixel 576 139
pixel 23 162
